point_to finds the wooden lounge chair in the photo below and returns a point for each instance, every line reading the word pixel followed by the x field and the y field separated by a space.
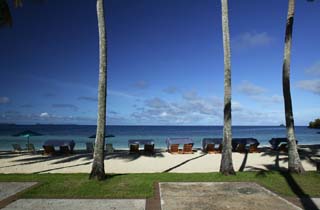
pixel 174 148
pixel 283 148
pixel 49 150
pixel 210 149
pixel 17 148
pixel 241 148
pixel 89 147
pixel 109 148
pixel 187 149
pixel 134 148
pixel 149 148
pixel 253 148
pixel 65 150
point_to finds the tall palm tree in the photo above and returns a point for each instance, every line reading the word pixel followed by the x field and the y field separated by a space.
pixel 226 166
pixel 294 163
pixel 97 171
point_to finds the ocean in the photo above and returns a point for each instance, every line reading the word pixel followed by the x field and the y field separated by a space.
pixel 80 134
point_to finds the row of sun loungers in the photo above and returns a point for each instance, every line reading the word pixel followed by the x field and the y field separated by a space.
pixel 209 145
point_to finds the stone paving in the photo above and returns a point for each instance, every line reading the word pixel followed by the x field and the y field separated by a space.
pixel 172 196
pixel 77 204
pixel 8 189
pixel 220 196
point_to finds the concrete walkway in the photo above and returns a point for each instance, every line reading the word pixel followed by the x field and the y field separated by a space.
pixel 8 189
pixel 9 193
pixel 77 204
pixel 220 196
pixel 168 196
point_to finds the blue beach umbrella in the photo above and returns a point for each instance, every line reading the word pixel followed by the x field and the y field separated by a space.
pixel 27 133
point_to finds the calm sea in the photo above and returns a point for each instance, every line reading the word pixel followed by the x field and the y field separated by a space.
pixel 80 133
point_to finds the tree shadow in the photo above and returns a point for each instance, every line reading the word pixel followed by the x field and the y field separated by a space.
pixel 53 169
pixel 125 155
pixel 304 198
pixel 180 164
pixel 244 162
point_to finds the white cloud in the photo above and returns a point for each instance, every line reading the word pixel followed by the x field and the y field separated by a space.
pixel 44 114
pixel 250 89
pixel 4 100
pixel 310 85
pixel 252 40
pixel 314 70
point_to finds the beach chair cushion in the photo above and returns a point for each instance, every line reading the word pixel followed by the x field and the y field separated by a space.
pixel 134 148
pixel 187 149
pixel 49 150
pixel 174 148
pixel 149 148
pixel 253 148
pixel 210 148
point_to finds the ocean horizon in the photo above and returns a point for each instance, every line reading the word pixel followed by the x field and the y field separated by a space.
pixel 80 134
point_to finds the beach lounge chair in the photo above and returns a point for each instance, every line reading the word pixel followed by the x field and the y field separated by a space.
pixel 174 148
pixel 241 148
pixel 149 148
pixel 109 148
pixel 187 149
pixel 31 148
pixel 283 148
pixel 210 149
pixel 134 148
pixel 17 148
pixel 65 150
pixel 253 148
pixel 89 147
pixel 49 150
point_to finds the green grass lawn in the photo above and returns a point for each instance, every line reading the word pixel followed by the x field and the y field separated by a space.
pixel 141 185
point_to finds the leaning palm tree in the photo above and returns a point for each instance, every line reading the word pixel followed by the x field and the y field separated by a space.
pixel 226 166
pixel 294 163
pixel 97 171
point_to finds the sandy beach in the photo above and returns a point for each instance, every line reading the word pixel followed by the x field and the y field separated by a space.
pixel 161 161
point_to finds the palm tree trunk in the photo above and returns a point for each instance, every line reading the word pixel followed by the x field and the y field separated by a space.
pixel 226 166
pixel 97 171
pixel 294 163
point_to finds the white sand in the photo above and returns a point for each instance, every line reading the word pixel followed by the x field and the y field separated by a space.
pixel 122 162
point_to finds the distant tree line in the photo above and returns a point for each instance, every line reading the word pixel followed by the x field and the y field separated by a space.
pixel 315 123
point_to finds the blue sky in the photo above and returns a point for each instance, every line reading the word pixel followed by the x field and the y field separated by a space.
pixel 165 62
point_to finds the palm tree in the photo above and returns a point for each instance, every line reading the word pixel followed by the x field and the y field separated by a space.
pixel 97 171
pixel 294 163
pixel 226 166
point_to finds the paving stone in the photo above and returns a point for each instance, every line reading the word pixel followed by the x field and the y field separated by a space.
pixel 220 196
pixel 8 189
pixel 77 204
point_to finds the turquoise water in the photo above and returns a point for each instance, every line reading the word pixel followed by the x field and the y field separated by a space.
pixel 80 133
